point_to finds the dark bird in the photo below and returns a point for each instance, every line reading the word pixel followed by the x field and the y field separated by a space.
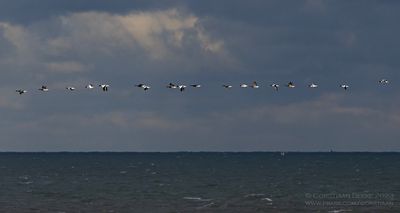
pixel 44 89
pixel 172 86
pixel 254 85
pixel 275 86
pixel 89 86
pixel 344 86
pixel 144 86
pixel 291 85
pixel 182 87
pixel 104 87
pixel 21 91
pixel 384 81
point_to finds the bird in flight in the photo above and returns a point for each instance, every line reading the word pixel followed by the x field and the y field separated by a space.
pixel 291 85
pixel 70 88
pixel 172 86
pixel 44 89
pixel 182 87
pixel 313 85
pixel 384 81
pixel 21 91
pixel 143 86
pixel 344 86
pixel 104 87
pixel 275 86
pixel 254 85
pixel 89 86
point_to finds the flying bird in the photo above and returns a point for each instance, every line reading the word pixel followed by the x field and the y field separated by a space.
pixel 196 85
pixel 291 85
pixel 21 91
pixel 227 86
pixel 89 86
pixel 182 87
pixel 172 86
pixel 383 81
pixel 344 86
pixel 44 89
pixel 254 85
pixel 144 86
pixel 70 88
pixel 275 86
pixel 313 85
pixel 104 87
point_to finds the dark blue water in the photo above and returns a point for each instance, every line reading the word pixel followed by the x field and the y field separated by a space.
pixel 199 182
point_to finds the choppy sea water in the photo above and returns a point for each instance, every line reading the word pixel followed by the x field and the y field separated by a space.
pixel 199 182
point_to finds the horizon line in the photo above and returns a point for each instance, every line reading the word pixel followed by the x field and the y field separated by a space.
pixel 167 152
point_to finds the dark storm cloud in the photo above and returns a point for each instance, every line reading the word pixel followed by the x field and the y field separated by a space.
pixel 210 42
pixel 316 38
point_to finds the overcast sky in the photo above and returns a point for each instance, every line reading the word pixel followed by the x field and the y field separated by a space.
pixel 123 43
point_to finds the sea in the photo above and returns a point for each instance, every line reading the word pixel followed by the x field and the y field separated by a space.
pixel 200 182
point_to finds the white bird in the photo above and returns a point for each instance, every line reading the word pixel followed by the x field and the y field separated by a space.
pixel 196 85
pixel 144 86
pixel 89 86
pixel 182 87
pixel 244 85
pixel 227 86
pixel 291 85
pixel 254 85
pixel 384 81
pixel 344 86
pixel 275 86
pixel 104 87
pixel 70 88
pixel 313 85
pixel 44 89
pixel 267 199
pixel 172 86
pixel 21 91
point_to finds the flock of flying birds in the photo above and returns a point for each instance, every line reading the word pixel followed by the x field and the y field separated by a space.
pixel 182 87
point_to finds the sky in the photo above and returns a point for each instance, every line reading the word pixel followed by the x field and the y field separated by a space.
pixel 123 43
